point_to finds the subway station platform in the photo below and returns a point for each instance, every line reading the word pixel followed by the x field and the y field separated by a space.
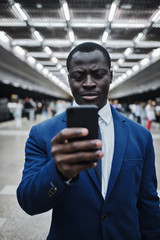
pixel 14 223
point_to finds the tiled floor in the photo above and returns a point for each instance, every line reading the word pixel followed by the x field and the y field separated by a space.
pixel 14 223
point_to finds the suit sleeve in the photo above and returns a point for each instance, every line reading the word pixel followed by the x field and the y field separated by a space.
pixel 41 185
pixel 149 204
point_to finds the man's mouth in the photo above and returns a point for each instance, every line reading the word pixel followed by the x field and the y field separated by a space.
pixel 89 96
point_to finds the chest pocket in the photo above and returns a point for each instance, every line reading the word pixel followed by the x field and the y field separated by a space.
pixel 133 162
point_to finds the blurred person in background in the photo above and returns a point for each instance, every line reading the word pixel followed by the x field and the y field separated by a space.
pixel 61 106
pixel 62 175
pixel 33 110
pixel 143 114
pixel 46 110
pixel 150 112
pixel 15 107
pixel 157 110
pixel 17 113
pixel 138 112
pixel 52 107
pixel 29 108
pixel 115 104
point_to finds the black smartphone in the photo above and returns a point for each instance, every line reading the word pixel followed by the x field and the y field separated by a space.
pixel 84 116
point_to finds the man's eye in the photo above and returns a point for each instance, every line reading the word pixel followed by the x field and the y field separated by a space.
pixel 98 75
pixel 78 77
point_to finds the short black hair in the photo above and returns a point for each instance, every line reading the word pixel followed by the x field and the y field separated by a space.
pixel 88 47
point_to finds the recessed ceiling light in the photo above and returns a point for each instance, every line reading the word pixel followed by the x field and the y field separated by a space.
pixel 144 61
pixel 4 37
pixel 126 6
pixel 39 5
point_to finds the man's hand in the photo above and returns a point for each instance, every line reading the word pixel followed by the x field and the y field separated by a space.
pixel 73 157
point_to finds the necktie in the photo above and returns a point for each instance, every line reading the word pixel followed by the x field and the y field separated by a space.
pixel 98 172
pixel 98 168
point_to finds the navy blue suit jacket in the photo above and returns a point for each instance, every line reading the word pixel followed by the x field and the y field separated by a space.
pixel 130 210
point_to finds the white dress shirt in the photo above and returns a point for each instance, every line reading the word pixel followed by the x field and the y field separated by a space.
pixel 107 134
pixel 105 122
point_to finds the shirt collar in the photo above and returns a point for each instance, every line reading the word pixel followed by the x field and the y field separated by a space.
pixel 104 112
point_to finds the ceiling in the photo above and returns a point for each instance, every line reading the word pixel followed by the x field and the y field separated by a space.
pixel 42 32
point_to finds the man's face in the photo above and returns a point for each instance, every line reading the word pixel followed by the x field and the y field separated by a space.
pixel 89 78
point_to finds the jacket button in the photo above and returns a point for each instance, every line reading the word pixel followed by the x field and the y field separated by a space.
pixel 52 191
pixel 104 216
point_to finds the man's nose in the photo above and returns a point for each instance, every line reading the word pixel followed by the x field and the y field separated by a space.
pixel 89 81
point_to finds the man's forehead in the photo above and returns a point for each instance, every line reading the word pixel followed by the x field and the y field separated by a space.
pixel 95 56
pixel 94 53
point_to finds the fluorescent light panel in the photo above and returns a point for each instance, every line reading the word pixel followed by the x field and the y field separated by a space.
pixel 47 24
pixel 10 23
pixel 45 71
pixel 48 50
pixel 50 63
pixel 128 51
pixel 120 61
pixel 88 24
pixel 124 76
pixel 39 66
pixel 38 54
pixel 139 37
pixel 52 69
pixel 66 11
pixel 63 71
pixel 156 52
pixel 59 66
pixel 128 64
pixel 156 16
pixel 3 37
pixel 17 8
pixel 38 36
pixel 31 60
pixel 54 60
pixel 112 12
pixel 105 36
pixel 127 25
pixel 148 44
pixel 144 61
pixel 119 70
pixel 136 68
pixel 19 50
pixel 137 56
pixel 116 55
pixel 115 67
pixel 71 36
pixel 129 72
pixel 18 23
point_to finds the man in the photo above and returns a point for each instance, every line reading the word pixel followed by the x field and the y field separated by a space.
pixel 58 176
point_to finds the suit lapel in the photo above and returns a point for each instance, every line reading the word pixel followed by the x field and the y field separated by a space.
pixel 121 136
pixel 92 175
pixel 92 172
pixel 64 121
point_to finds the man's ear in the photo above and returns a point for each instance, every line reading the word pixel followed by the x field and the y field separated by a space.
pixel 111 76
